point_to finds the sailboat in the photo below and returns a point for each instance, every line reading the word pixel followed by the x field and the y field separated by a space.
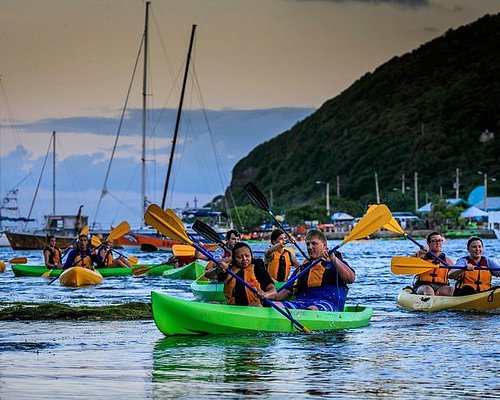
pixel 63 227
pixel 147 239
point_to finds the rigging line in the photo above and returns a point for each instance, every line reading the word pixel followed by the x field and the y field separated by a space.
pixel 39 180
pixel 224 180
pixel 104 190
pixel 11 121
pixel 121 201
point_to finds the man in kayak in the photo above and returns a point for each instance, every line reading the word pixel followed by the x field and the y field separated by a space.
pixel 82 256
pixel 324 286
pixel 474 276
pixel 278 258
pixel 241 264
pixel 434 282
pixel 52 254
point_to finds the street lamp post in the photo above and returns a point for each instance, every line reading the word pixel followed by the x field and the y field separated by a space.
pixel 327 196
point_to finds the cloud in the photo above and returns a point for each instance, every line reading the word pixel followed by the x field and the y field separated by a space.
pixel 205 156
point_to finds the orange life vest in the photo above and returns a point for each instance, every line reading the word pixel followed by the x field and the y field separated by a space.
pixel 83 260
pixel 54 254
pixel 436 275
pixel 280 264
pixel 479 278
pixel 249 277
pixel 319 275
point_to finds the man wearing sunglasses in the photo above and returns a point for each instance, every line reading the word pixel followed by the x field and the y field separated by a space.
pixel 434 282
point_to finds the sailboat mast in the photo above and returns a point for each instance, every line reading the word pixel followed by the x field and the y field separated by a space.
pixel 53 172
pixel 144 112
pixel 179 111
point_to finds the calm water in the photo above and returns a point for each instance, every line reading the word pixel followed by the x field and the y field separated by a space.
pixel 401 355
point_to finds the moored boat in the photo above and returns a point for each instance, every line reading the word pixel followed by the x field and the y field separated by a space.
pixel 149 242
pixel 190 271
pixel 488 300
pixel 80 276
pixel 205 290
pixel 174 316
pixel 21 270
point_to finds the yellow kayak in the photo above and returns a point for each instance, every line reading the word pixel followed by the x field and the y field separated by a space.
pixel 79 276
pixel 488 300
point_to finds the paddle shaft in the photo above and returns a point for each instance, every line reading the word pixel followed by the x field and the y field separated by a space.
pixel 293 278
pixel 260 201
pixel 247 285
pixel 428 252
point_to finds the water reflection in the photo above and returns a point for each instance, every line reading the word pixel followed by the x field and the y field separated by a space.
pixel 400 355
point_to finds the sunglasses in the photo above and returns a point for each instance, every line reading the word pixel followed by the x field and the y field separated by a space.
pixel 437 241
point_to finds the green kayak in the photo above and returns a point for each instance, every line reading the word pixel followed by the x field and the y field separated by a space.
pixel 174 316
pixel 205 290
pixel 39 270
pixel 191 271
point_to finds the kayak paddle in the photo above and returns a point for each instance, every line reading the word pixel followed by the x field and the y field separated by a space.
pixel 209 233
pixel 183 250
pixel 260 201
pixel 164 223
pixel 401 265
pixel 96 242
pixel 372 221
pixel 394 226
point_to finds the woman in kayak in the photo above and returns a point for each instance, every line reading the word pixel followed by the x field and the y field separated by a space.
pixel 324 286
pixel 434 282
pixel 279 259
pixel 241 264
pixel 108 260
pixel 474 276
pixel 52 254
pixel 82 256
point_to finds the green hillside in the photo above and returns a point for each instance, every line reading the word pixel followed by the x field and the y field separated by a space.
pixel 422 112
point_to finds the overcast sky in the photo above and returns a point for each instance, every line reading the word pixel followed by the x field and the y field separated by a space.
pixel 260 65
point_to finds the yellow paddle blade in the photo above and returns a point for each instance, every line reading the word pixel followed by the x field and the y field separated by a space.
pixel 133 260
pixel 95 241
pixel 164 223
pixel 118 231
pixel 176 221
pixel 85 230
pixel 401 265
pixel 18 260
pixel 392 225
pixel 46 274
pixel 373 220
pixel 183 250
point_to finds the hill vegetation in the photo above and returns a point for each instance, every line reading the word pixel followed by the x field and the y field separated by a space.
pixel 425 112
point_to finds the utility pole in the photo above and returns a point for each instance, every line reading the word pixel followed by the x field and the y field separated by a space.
pixel 416 191
pixel 457 183
pixel 377 194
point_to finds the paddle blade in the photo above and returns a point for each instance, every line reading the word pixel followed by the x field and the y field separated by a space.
pixel 2 266
pixel 46 274
pixel 164 223
pixel 256 196
pixel 410 265
pixel 118 231
pixel 183 250
pixel 372 221
pixel 207 232
pixel 175 220
pixel 85 230
pixel 95 241
pixel 392 225
pixel 18 260
pixel 140 271
pixel 133 260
